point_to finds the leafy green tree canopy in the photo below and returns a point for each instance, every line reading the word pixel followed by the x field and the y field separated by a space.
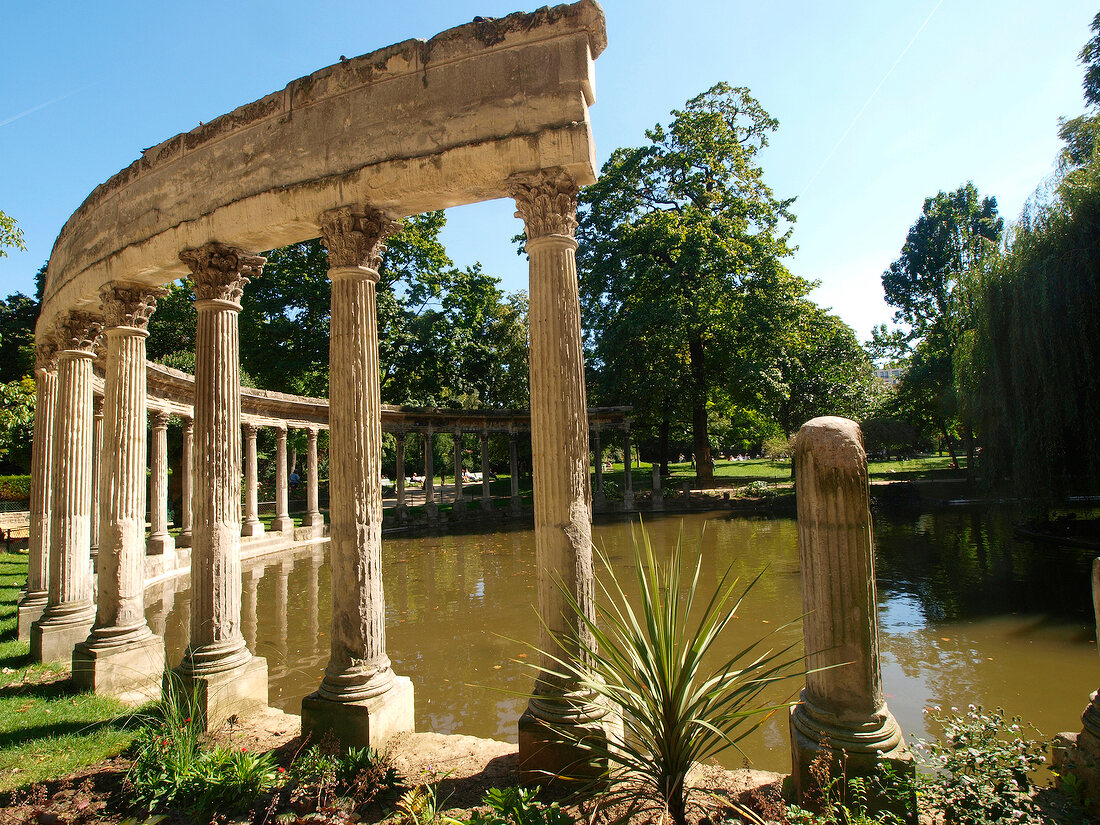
pixel 670 237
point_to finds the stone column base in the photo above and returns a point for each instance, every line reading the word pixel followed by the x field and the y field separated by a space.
pixel 29 613
pixel 358 724
pixel 252 528
pixel 432 510
pixel 487 505
pixel 515 505
pixel 183 539
pixel 859 759
pixel 282 524
pixel 53 641
pixel 553 758
pixel 313 520
pixel 160 545
pixel 131 671
pixel 215 697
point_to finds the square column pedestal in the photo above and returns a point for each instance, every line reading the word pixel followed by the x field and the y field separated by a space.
pixel 216 697
pixel 551 756
pixel 28 615
pixel 53 640
pixel 132 671
pixel 369 722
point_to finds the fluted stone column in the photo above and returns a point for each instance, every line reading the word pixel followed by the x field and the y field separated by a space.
pixel 842 705
pixel 252 525
pixel 97 448
pixel 282 523
pixel 36 594
pixel 402 509
pixel 187 482
pixel 122 657
pixel 160 541
pixel 226 678
pixel 514 502
pixel 360 701
pixel 559 446
pixel 458 509
pixel 69 608
pixel 598 500
pixel 628 481
pixel 486 492
pixel 430 505
pixel 313 517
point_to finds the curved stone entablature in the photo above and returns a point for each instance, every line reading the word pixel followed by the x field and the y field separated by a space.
pixel 413 127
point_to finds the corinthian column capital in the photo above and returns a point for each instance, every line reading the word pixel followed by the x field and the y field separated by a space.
pixel 45 351
pixel 546 201
pixel 354 237
pixel 220 272
pixel 77 331
pixel 158 419
pixel 129 305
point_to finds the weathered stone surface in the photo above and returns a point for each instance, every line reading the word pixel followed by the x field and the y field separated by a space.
pixel 367 722
pixel 160 541
pixel 842 707
pixel 353 701
pixel 34 599
pixel 217 663
pixel 69 609
pixel 559 449
pixel 282 522
pixel 252 525
pixel 121 656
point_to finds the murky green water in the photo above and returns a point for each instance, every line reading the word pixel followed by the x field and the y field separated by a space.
pixel 967 614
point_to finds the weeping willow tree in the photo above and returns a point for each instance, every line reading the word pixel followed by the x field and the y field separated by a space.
pixel 1034 364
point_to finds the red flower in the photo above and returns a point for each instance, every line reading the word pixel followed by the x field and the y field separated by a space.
pixel 243 749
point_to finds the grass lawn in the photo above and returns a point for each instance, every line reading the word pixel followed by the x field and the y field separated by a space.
pixel 46 729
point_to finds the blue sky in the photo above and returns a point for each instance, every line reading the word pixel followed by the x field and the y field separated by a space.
pixel 880 104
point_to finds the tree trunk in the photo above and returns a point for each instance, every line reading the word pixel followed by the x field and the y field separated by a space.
pixel 293 458
pixel 704 470
pixel 968 441
pixel 662 445
pixel 950 446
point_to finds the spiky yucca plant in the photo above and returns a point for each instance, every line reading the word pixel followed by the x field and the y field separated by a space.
pixel 648 664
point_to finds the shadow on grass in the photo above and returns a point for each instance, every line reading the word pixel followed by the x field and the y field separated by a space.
pixel 26 735
pixel 14 661
pixel 39 690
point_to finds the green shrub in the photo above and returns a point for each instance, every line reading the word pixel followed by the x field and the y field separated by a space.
pixel 15 488
pixel 322 774
pixel 518 806
pixel 173 769
pixel 978 773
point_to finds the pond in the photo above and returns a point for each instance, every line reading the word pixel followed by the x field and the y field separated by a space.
pixel 967 612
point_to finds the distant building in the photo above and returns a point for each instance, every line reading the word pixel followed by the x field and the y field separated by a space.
pixel 889 374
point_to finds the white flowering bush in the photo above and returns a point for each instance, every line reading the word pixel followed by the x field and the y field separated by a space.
pixel 978 772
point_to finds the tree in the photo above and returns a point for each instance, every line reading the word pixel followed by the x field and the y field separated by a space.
pixel 1080 133
pixel 17 400
pixel 18 314
pixel 10 235
pixel 1035 356
pixel 671 237
pixel 956 234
